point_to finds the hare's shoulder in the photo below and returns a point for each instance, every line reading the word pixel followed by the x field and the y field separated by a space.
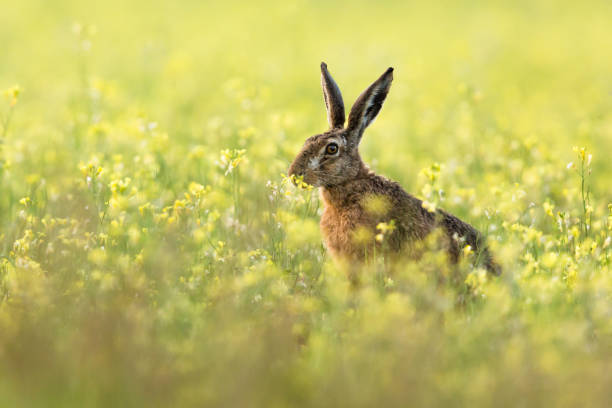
pixel 370 200
pixel 401 201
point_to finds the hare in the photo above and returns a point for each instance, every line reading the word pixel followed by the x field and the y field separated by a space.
pixel 356 199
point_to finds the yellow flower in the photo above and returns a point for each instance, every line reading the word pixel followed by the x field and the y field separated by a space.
pixel 548 209
pixel 376 204
pixel 231 158
pixel 25 201
pixel 12 94
pixel 429 206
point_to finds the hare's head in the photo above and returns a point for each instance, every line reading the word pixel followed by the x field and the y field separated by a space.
pixel 332 158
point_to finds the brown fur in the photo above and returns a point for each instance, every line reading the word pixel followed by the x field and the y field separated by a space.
pixel 348 188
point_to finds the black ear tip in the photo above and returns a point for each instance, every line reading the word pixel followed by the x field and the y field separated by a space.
pixel 388 75
pixel 323 66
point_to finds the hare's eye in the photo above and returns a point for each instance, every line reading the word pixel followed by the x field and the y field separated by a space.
pixel 331 148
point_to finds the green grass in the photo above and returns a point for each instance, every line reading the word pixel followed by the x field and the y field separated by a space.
pixel 151 253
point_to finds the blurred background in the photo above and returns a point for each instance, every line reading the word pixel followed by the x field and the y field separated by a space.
pixel 151 252
pixel 532 68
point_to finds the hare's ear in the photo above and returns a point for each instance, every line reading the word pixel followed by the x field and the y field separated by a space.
pixel 333 99
pixel 368 105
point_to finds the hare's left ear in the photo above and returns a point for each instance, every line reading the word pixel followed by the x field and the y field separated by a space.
pixel 333 99
pixel 368 105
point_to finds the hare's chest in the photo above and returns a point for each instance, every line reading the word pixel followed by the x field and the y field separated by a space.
pixel 340 229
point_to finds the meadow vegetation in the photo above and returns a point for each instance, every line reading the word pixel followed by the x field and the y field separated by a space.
pixel 153 254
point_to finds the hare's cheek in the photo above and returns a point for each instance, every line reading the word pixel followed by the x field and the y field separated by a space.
pixel 334 167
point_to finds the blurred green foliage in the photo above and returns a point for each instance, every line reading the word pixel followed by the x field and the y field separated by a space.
pixel 151 253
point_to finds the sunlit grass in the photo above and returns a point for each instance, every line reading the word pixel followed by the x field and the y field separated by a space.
pixel 152 253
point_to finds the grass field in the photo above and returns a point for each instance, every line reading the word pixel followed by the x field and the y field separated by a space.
pixel 152 253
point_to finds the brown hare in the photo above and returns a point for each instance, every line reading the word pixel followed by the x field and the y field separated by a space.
pixel 332 162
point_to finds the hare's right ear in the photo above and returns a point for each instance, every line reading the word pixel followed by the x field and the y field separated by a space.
pixel 333 99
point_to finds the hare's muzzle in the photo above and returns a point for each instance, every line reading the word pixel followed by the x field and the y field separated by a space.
pixel 295 170
pixel 299 170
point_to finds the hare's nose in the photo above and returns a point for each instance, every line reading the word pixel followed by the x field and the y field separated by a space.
pixel 293 171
